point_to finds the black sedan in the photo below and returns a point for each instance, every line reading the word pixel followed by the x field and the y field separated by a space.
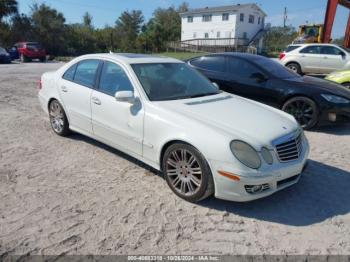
pixel 310 100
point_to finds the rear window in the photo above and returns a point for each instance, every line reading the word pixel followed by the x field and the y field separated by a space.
pixel 291 48
pixel 211 63
pixel 34 45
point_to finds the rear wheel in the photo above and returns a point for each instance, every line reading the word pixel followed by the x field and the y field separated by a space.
pixel 43 59
pixel 304 110
pixel 346 85
pixel 24 59
pixel 295 68
pixel 187 172
pixel 58 119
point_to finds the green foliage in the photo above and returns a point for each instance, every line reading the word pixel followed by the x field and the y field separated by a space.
pixel 277 38
pixel 129 34
pixel 128 27
pixel 181 55
pixel 49 25
pixel 8 7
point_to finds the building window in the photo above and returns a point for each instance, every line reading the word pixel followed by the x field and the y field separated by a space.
pixel 194 35
pixel 251 19
pixel 228 34
pixel 218 34
pixel 190 19
pixel 245 35
pixel 206 35
pixel 241 17
pixel 225 16
pixel 206 18
pixel 259 20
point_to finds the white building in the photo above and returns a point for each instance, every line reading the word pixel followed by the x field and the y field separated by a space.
pixel 243 22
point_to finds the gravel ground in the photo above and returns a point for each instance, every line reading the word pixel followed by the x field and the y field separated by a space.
pixel 76 196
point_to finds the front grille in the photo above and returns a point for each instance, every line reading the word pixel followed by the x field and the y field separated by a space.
pixel 290 150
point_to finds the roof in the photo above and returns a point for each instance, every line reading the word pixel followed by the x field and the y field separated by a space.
pixel 130 58
pixel 219 9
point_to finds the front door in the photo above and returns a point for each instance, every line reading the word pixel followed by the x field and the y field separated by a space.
pixel 119 124
pixel 333 59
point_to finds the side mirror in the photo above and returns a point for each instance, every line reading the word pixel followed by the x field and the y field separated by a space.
pixel 216 86
pixel 343 55
pixel 125 96
pixel 258 77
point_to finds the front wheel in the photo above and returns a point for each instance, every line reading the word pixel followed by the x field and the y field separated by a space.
pixel 187 172
pixel 304 110
pixel 58 119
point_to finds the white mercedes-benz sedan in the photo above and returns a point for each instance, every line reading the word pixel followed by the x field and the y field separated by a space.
pixel 164 113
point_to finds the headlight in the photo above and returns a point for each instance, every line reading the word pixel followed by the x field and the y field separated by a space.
pixel 335 99
pixel 267 156
pixel 245 154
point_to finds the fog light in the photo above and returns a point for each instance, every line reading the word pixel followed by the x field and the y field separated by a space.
pixel 332 117
pixel 255 189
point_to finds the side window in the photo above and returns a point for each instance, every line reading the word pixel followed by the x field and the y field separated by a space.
pixel 86 72
pixel 311 50
pixel 211 63
pixel 241 68
pixel 330 50
pixel 113 79
pixel 69 74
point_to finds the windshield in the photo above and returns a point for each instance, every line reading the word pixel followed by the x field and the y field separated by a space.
pixel 2 51
pixel 275 68
pixel 171 81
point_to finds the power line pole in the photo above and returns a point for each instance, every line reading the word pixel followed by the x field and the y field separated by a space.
pixel 285 17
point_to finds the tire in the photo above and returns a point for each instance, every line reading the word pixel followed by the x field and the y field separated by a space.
pixel 346 85
pixel 24 59
pixel 304 110
pixel 58 119
pixel 43 59
pixel 187 172
pixel 295 67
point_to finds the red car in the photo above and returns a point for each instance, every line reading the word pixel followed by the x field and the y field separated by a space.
pixel 30 50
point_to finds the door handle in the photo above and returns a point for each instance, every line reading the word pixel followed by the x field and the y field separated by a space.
pixel 64 89
pixel 96 101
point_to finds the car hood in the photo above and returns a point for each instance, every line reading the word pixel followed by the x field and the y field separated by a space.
pixel 239 117
pixel 320 85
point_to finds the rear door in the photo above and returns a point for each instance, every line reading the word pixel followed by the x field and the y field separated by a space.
pixel 213 67
pixel 311 59
pixel 75 89
pixel 333 59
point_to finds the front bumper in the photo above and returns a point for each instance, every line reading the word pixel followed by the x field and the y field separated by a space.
pixel 338 113
pixel 278 177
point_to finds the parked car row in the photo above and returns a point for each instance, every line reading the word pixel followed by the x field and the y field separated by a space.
pixel 204 140
pixel 25 51
pixel 310 100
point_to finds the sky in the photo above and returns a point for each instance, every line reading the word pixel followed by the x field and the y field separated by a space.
pixel 106 12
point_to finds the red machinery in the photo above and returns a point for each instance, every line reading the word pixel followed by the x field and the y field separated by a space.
pixel 329 20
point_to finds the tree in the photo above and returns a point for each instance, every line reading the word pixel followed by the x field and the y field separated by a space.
pixel 21 28
pixel 87 20
pixel 165 26
pixel 49 25
pixel 128 27
pixel 8 7
pixel 278 37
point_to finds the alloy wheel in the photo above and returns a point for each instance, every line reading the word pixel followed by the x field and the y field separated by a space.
pixel 302 110
pixel 184 172
pixel 56 117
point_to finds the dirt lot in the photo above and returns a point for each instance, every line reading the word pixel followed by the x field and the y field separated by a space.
pixel 76 196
